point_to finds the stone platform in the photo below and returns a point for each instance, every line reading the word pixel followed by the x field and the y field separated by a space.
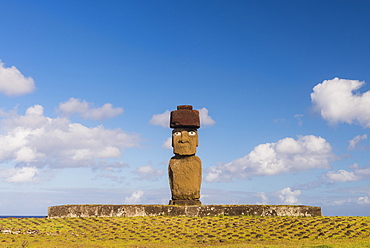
pixel 173 210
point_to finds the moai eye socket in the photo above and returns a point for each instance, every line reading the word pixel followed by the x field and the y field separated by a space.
pixel 177 133
pixel 192 133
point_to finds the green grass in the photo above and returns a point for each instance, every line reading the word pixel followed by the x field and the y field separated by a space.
pixel 164 231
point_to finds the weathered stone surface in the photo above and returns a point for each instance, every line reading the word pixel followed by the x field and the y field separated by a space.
pixel 185 169
pixel 190 211
pixel 184 116
pixel 184 141
pixel 185 175
pixel 185 202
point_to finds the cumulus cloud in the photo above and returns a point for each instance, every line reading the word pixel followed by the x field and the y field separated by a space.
pixel 13 83
pixel 34 140
pixel 134 198
pixel 338 100
pixel 87 111
pixel 264 198
pixel 355 141
pixel 163 119
pixel 358 173
pixel 289 196
pixel 205 119
pixel 19 175
pixel 167 144
pixel 286 155
pixel 148 173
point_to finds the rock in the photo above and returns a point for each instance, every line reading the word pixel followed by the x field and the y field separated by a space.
pixel 185 169
pixel 185 116
pixel 185 175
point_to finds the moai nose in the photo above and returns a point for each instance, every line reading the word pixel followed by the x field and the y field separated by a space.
pixel 184 136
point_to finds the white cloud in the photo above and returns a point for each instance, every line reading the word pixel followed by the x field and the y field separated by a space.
pixel 286 155
pixel 336 102
pixel 288 196
pixel 205 119
pixel 355 141
pixel 363 200
pixel 340 202
pixel 27 154
pixel 364 173
pixel 19 175
pixel 163 119
pixel 148 173
pixel 4 113
pixel 264 198
pixel 348 176
pixel 13 83
pixel 168 143
pixel 134 198
pixel 86 110
pixel 36 140
pixel 341 176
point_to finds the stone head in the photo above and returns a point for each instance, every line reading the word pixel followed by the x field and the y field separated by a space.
pixel 184 141
pixel 185 122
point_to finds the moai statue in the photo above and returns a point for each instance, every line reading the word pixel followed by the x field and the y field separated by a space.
pixel 185 169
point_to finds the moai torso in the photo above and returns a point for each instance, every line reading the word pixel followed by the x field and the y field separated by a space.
pixel 185 169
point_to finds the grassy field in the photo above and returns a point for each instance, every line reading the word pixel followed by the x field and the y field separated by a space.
pixel 162 231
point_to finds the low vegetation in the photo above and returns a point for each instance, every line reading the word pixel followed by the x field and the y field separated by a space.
pixel 162 231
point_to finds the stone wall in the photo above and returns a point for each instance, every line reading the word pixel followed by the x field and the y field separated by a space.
pixel 173 210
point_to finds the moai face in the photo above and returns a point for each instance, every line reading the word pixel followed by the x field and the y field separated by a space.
pixel 184 141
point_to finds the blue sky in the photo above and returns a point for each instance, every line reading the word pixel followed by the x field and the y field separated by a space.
pixel 282 86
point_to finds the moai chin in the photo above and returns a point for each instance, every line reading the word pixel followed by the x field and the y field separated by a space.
pixel 185 169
